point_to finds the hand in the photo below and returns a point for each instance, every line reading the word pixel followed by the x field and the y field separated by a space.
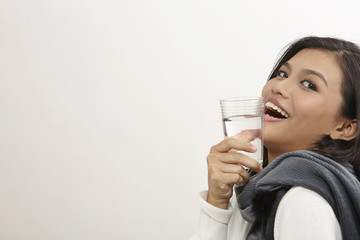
pixel 225 167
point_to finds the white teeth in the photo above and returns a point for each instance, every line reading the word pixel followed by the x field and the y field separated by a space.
pixel 276 108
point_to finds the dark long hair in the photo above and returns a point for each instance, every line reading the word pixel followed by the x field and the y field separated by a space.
pixel 348 58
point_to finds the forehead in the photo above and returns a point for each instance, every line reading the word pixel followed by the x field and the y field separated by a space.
pixel 315 59
pixel 322 61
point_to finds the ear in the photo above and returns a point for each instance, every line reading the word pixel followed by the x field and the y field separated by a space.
pixel 346 131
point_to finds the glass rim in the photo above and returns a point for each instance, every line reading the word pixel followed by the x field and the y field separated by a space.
pixel 234 99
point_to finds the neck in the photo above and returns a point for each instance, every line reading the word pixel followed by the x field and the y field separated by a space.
pixel 272 156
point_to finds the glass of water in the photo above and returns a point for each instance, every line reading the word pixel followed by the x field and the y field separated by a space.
pixel 244 113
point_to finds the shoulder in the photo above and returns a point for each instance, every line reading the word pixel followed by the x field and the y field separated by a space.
pixel 307 215
pixel 305 197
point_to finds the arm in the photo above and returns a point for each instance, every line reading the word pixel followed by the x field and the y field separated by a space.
pixel 304 214
pixel 225 168
pixel 213 222
pixel 220 224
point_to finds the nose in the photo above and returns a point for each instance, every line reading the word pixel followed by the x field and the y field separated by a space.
pixel 281 87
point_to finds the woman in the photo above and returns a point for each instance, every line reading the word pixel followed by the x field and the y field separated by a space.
pixel 310 187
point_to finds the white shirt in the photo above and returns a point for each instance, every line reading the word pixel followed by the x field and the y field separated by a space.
pixel 302 214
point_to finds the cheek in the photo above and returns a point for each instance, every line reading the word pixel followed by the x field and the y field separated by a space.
pixel 306 108
pixel 314 112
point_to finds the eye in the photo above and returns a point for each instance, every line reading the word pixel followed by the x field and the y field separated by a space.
pixel 282 74
pixel 309 84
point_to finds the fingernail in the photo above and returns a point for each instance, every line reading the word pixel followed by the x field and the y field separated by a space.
pixel 261 168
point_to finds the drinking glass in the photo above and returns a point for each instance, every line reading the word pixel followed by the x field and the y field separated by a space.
pixel 244 113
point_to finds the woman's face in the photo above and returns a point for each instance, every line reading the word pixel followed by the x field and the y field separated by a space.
pixel 302 102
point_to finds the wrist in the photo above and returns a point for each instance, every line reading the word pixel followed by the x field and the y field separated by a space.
pixel 222 203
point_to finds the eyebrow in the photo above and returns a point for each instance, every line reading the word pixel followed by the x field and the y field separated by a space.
pixel 309 71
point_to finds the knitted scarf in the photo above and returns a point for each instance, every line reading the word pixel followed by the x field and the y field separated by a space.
pixel 335 182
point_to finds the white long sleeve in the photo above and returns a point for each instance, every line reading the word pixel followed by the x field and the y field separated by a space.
pixel 220 224
pixel 301 214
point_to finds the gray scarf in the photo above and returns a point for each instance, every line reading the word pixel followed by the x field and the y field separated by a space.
pixel 335 182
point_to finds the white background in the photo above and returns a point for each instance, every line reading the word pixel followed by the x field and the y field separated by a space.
pixel 108 108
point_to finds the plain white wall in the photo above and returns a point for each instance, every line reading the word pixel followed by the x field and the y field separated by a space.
pixel 108 108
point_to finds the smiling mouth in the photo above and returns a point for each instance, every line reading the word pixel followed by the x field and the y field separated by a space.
pixel 275 111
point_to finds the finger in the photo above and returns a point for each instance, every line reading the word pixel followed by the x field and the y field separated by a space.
pixel 233 158
pixel 255 133
pixel 243 175
pixel 230 168
pixel 234 178
pixel 224 180
pixel 240 142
